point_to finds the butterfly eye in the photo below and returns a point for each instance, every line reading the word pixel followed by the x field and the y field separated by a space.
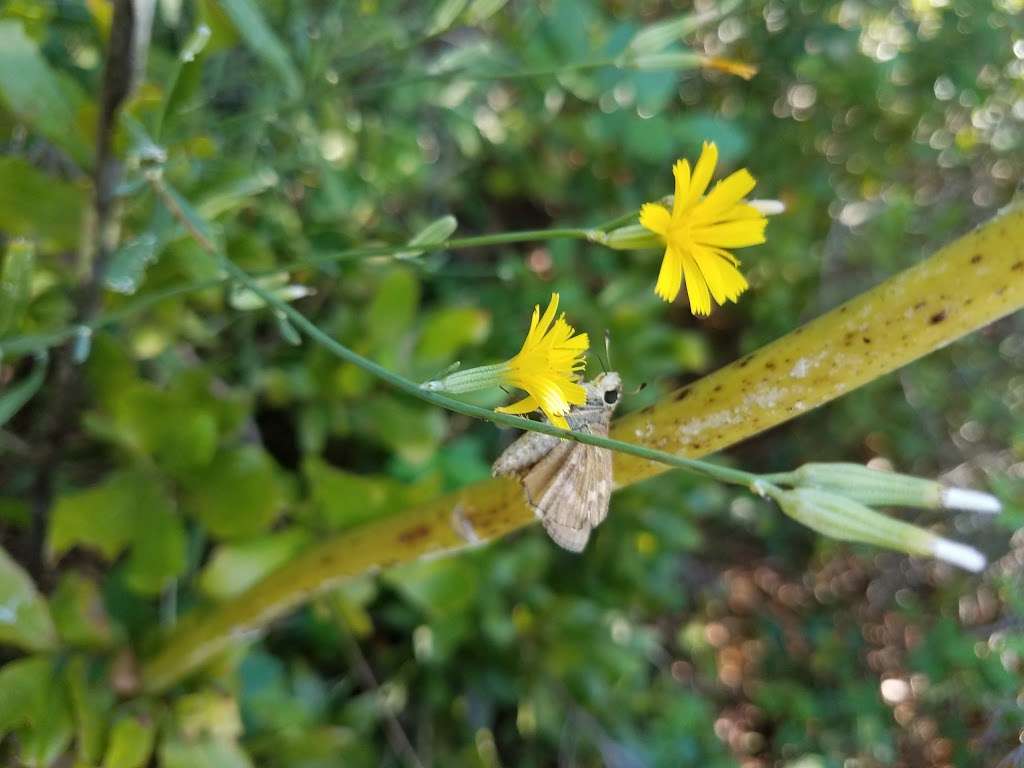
pixel 611 396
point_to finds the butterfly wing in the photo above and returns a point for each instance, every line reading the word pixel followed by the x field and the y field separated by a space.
pixel 569 489
pixel 568 484
pixel 524 453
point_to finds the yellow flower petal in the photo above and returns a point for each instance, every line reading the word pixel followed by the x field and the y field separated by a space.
pixel 726 194
pixel 733 282
pixel 696 288
pixel 548 366
pixel 707 262
pixel 656 217
pixel 526 405
pixel 670 278
pixel 732 234
pixel 701 175
pixel 699 229
pixel 557 420
pixel 681 171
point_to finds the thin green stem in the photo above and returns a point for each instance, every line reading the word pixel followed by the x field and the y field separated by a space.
pixel 306 326
pixel 522 74
pixel 18 345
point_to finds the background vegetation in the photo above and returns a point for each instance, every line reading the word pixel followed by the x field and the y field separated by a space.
pixel 187 445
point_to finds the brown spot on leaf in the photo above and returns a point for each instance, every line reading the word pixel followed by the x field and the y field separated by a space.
pixel 682 394
pixel 1017 266
pixel 938 317
pixel 415 533
pixel 976 258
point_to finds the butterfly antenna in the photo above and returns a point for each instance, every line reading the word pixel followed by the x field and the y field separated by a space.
pixel 600 359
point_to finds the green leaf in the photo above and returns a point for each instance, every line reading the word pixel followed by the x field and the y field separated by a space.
pixel 202 753
pixel 447 331
pixel 436 231
pixel 179 434
pixel 344 499
pixel 131 742
pixel 91 700
pixel 130 510
pixel 391 312
pixel 260 38
pixel 79 613
pixel 445 15
pixel 237 495
pixel 99 518
pixel 236 567
pixel 36 205
pixel 208 713
pixel 34 92
pixel 128 264
pixel 25 619
pixel 34 703
pixel 233 193
pixel 14 398
pixel 438 587
pixel 481 10
pixel 15 278
pixel 409 428
pixel 159 548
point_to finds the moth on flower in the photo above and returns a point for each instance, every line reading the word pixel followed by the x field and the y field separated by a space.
pixel 568 484
pixel 700 228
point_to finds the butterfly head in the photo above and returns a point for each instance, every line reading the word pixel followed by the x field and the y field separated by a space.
pixel 604 391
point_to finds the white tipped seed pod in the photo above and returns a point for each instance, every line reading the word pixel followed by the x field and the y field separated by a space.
pixel 878 489
pixel 842 518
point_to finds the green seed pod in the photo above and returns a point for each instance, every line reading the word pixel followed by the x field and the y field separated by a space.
pixel 869 486
pixel 847 520
pixel 878 489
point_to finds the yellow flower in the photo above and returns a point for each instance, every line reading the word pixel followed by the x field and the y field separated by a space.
pixel 699 229
pixel 548 367
pixel 730 66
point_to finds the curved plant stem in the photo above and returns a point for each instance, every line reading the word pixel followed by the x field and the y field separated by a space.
pixel 313 331
pixel 19 345
pixel 455 74
pixel 973 281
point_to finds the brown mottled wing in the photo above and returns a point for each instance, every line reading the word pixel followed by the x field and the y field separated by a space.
pixel 569 490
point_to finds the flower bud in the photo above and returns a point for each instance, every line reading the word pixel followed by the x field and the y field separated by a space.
pixel 878 489
pixel 842 518
pixel 242 298
pixel 869 486
pixel 632 237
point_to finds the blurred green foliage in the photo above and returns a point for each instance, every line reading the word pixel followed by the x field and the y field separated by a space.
pixel 701 628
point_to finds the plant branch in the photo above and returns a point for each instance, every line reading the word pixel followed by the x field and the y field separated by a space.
pixel 130 21
pixel 302 323
pixel 911 314
pixel 396 735
pixel 18 345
